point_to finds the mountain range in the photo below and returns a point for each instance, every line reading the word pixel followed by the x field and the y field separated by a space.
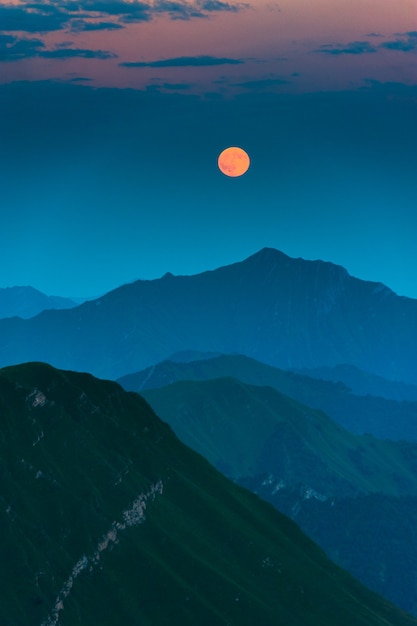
pixel 388 419
pixel 247 430
pixel 285 374
pixel 107 518
pixel 363 383
pixel 336 485
pixel 27 302
pixel 286 312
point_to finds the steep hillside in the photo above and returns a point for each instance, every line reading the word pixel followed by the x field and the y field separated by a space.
pixel 108 519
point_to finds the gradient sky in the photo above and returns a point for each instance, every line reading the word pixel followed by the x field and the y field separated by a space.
pixel 113 113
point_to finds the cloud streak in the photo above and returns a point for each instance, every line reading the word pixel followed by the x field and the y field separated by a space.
pixel 55 15
pixel 198 61
pixel 38 20
pixel 354 47
pixel 403 42
pixel 217 5
pixel 70 53
pixel 82 25
pixel 16 49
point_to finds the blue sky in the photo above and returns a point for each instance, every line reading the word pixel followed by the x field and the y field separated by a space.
pixel 109 147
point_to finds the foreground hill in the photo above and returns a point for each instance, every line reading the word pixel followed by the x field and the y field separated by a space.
pixel 286 312
pixel 108 519
pixel 27 302
pixel 380 417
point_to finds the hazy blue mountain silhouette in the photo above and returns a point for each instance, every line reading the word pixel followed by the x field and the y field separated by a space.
pixel 107 518
pixel 27 302
pixel 373 536
pixel 363 383
pixel 286 312
pixel 378 416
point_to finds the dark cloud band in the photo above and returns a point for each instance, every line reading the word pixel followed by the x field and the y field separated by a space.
pixel 403 42
pixel 354 47
pixel 198 61
pixel 14 49
pixel 54 15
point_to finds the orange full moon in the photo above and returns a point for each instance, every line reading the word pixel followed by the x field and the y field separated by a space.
pixel 233 161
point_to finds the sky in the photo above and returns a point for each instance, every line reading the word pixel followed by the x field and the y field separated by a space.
pixel 113 114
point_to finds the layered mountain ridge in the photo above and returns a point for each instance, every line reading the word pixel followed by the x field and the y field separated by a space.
pixel 382 417
pixel 362 383
pixel 286 312
pixel 27 302
pixel 109 519
pixel 248 430
pixel 338 486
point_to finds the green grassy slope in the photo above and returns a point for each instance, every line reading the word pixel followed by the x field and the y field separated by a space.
pixel 381 417
pixel 108 519
pixel 246 430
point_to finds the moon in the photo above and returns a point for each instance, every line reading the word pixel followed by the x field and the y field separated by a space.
pixel 233 161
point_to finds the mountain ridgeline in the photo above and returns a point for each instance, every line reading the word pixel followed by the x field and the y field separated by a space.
pixel 381 417
pixel 362 383
pixel 354 495
pixel 108 519
pixel 247 430
pixel 27 302
pixel 286 312
pixel 340 487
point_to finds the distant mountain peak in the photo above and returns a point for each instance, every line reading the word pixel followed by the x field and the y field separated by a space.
pixel 267 252
pixel 268 255
pixel 286 312
pixel 26 301
pixel 272 255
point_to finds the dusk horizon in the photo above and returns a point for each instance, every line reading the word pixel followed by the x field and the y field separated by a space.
pixel 91 295
pixel 113 115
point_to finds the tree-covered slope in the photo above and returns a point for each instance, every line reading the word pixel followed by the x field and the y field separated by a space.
pixel 108 519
